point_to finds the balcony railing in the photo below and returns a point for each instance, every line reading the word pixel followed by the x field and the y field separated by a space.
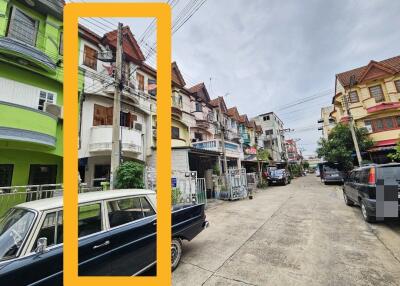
pixel 101 140
pixel 231 149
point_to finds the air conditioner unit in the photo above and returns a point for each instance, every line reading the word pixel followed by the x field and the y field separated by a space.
pixel 138 126
pixel 54 109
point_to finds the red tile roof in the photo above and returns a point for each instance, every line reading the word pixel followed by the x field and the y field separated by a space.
pixel 176 75
pixel 233 113
pixel 129 45
pixel 391 65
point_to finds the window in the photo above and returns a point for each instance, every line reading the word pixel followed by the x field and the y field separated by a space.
pixel 368 125
pixel 379 125
pixel 61 47
pixel 269 132
pixel 102 115
pixel 265 118
pixel 198 136
pixel 152 87
pixel 89 219
pixel 90 57
pixel 146 207
pixel 6 173
pixel 22 27
pixel 377 93
pixel 127 119
pixel 175 132
pixel 140 79
pixel 397 84
pixel 199 107
pixel 52 229
pixel 45 97
pixel 353 97
pixel 14 228
pixel 42 174
pixel 124 211
pixel 389 123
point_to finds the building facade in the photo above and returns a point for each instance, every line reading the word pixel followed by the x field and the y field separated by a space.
pixel 373 93
pixel 326 121
pixel 31 98
pixel 273 135
pixel 138 105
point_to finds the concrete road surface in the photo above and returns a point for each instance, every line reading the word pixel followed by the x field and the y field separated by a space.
pixel 300 234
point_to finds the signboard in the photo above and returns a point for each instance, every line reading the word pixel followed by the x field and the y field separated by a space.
pixel 250 151
pixel 173 182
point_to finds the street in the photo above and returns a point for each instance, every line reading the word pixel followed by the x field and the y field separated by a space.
pixel 300 234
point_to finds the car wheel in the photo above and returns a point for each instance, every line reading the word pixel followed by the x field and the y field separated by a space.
pixel 365 214
pixel 347 201
pixel 176 252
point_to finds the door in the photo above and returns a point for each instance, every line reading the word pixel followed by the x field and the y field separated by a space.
pixel 132 234
pixel 94 244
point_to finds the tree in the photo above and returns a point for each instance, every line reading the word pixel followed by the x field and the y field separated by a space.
pixel 339 146
pixel 130 176
pixel 262 156
pixel 306 165
pixel 396 155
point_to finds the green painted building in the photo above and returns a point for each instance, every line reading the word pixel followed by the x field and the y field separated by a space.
pixel 31 92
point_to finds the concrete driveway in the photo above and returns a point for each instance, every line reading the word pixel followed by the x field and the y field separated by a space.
pixel 300 234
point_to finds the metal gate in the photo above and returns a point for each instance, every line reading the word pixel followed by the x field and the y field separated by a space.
pixel 236 185
pixel 187 188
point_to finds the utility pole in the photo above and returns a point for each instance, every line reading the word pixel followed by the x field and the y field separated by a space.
pixel 116 144
pixel 351 122
pixel 222 132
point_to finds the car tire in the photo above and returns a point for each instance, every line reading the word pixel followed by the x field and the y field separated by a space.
pixel 346 199
pixel 176 252
pixel 364 212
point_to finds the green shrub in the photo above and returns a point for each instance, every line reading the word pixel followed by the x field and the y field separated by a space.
pixel 130 176
pixel 175 195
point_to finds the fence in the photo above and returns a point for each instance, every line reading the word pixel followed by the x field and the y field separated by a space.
pixel 236 180
pixel 187 188
pixel 11 196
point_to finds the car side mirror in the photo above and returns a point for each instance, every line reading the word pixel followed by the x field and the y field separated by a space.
pixel 41 245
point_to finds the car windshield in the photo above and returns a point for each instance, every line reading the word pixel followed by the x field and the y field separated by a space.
pixel 278 172
pixel 14 227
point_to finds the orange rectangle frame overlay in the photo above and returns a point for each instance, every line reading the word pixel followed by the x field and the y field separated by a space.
pixel 162 13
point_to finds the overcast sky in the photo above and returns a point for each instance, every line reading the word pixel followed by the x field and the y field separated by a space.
pixel 265 54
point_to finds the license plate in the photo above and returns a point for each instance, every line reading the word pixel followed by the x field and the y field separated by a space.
pixel 273 181
pixel 334 175
pixel 399 196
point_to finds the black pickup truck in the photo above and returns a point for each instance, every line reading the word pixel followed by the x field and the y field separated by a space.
pixel 117 236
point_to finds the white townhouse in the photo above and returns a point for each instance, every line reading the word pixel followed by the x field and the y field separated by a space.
pixel 138 105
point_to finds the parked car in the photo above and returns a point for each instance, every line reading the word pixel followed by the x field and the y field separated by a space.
pixel 332 176
pixel 361 187
pixel 116 229
pixel 279 176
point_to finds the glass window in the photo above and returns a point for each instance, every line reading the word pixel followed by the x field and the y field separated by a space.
pixel 22 27
pixel 368 125
pixel 89 219
pixel 6 173
pixel 353 97
pixel 14 227
pixel 397 84
pixel 398 121
pixel 377 93
pixel 199 107
pixel 90 57
pixel 389 124
pixel 175 132
pixel 147 208
pixel 45 96
pixel 124 211
pixel 52 229
pixel 379 124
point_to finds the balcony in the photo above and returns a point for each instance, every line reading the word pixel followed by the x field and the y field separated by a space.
pixel 26 124
pixel 204 124
pixel 101 141
pixel 231 149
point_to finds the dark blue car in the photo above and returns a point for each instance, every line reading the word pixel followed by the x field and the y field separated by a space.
pixel 117 236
